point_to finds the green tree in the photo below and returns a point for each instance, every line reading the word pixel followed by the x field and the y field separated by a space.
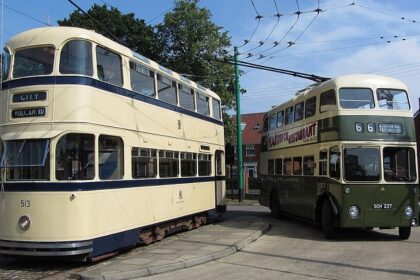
pixel 130 31
pixel 194 46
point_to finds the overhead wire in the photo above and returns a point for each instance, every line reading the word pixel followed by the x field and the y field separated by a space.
pixel 25 14
pixel 258 18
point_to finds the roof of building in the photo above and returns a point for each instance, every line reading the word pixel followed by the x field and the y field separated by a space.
pixel 253 128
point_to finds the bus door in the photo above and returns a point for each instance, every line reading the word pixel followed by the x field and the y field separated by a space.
pixel 220 187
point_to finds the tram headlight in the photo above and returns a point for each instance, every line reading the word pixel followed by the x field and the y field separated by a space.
pixel 24 222
pixel 409 212
pixel 354 212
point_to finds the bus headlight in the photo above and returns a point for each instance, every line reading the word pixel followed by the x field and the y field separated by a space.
pixel 409 212
pixel 354 212
pixel 24 222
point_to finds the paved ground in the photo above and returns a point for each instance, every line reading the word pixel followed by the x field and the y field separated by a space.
pixel 183 250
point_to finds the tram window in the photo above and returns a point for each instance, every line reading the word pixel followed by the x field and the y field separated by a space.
pixel 76 58
pixel 272 121
pixel 287 166
pixel 204 165
pixel 26 159
pixel 308 165
pixel 280 119
pixel 142 79
pixel 216 109
pixel 327 100
pixel 298 111
pixel 310 107
pixel 168 164
pixel 297 166
pixel 270 168
pixel 75 157
pixel 392 99
pixel 335 162
pixel 279 166
pixel 289 115
pixel 33 62
pixel 356 98
pixel 166 89
pixel 323 155
pixel 109 66
pixel 186 98
pixel 399 164
pixel 5 64
pixel 203 104
pixel 144 163
pixel 188 164
pixel 265 127
pixel 361 164
pixel 111 157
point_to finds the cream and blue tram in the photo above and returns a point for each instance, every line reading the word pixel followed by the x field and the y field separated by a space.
pixel 102 148
pixel 342 154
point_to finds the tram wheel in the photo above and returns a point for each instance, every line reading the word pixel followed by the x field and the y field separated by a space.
pixel 327 222
pixel 404 232
pixel 275 206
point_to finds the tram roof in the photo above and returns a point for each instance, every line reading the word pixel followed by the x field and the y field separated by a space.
pixel 57 35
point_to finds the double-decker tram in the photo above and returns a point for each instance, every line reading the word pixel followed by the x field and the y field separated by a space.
pixel 102 148
pixel 342 154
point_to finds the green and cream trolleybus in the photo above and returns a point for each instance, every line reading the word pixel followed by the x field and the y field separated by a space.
pixel 342 153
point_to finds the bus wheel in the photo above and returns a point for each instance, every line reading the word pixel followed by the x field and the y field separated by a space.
pixel 275 206
pixel 327 222
pixel 404 232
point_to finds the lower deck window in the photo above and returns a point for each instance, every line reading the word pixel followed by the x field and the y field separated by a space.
pixel 111 157
pixel 168 164
pixel 188 164
pixel 144 163
pixel 204 165
pixel 75 157
pixel 26 159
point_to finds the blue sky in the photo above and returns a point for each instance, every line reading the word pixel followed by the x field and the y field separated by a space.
pixel 372 36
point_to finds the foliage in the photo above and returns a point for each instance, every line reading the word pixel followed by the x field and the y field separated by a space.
pixel 130 31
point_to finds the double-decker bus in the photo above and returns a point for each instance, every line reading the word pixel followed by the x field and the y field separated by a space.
pixel 342 153
pixel 102 148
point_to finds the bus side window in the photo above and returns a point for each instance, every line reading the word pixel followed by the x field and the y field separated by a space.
pixel 327 101
pixel 279 166
pixel 109 66
pixel 323 155
pixel 142 79
pixel 287 166
pixel 289 115
pixel 111 157
pixel 298 111
pixel 297 166
pixel 335 159
pixel 310 107
pixel 271 166
pixel 308 165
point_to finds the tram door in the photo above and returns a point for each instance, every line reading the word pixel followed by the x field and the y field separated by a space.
pixel 220 182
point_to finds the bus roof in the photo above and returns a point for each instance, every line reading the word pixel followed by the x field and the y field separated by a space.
pixel 57 35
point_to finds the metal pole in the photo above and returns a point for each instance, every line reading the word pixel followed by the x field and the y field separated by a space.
pixel 240 172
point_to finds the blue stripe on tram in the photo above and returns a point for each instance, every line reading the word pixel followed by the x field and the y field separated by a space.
pixel 67 186
pixel 87 81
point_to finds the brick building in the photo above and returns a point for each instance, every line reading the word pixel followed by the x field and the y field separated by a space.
pixel 252 125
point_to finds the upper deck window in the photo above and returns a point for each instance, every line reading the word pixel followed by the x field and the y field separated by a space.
pixel 327 100
pixel 216 109
pixel 186 98
pixel 356 98
pixel 142 79
pixel 280 118
pixel 109 66
pixel 289 115
pixel 203 104
pixel 273 121
pixel 298 111
pixel 5 64
pixel 33 62
pixel 310 107
pixel 76 58
pixel 166 89
pixel 392 99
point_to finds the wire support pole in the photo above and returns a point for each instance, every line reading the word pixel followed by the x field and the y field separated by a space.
pixel 239 166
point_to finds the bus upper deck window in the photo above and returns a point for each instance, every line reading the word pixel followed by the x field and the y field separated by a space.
pixel 298 111
pixel 5 64
pixel 273 121
pixel 203 104
pixel 327 101
pixel 392 99
pixel 166 89
pixel 356 98
pixel 289 115
pixel 76 58
pixel 216 109
pixel 142 79
pixel 280 118
pixel 34 61
pixel 109 66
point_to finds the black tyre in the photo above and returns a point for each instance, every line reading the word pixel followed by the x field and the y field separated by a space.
pixel 404 232
pixel 275 206
pixel 327 223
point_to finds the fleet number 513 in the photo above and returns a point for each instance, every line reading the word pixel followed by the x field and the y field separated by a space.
pixel 25 203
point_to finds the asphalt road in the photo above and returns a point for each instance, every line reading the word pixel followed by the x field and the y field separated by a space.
pixel 289 250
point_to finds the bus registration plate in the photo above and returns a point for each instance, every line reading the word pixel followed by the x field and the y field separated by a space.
pixel 382 206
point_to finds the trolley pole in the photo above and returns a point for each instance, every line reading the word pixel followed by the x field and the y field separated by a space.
pixel 239 166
